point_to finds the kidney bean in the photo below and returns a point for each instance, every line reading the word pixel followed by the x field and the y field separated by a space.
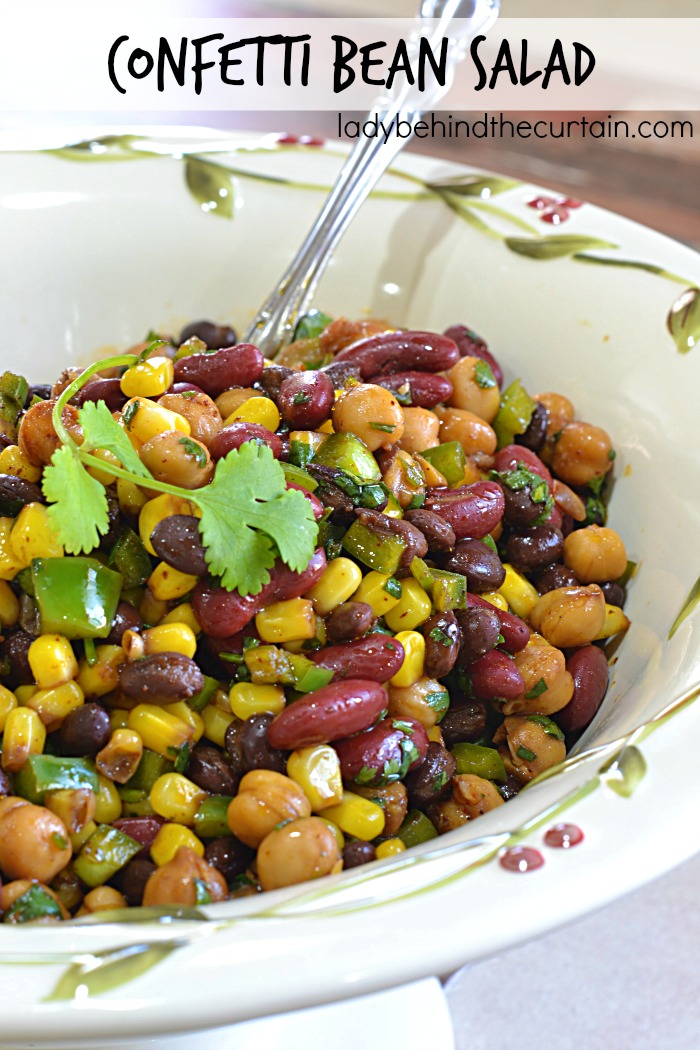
pixel 480 629
pixel 479 563
pixel 107 390
pixel 161 678
pixel 425 390
pixel 532 550
pixel 126 618
pixel 510 456
pixel 442 641
pixel 316 505
pixel 229 856
pixel 208 769
pixel 431 780
pixel 376 657
pixel 438 534
pixel 614 593
pixel 536 432
pixel 416 543
pixel 331 713
pixel 385 750
pixel 470 344
pixel 240 365
pixel 272 378
pixel 132 879
pixel 141 829
pixel 588 667
pixel 349 620
pixel 472 510
pixel 358 852
pixel 84 731
pixel 516 633
pixel 177 541
pixel 216 336
pixel 305 399
pixel 494 675
pixel 391 352
pixel 555 576
pixel 255 746
pixel 15 647
pixel 288 584
pixel 236 434
pixel 16 492
pixel 464 722
pixel 184 388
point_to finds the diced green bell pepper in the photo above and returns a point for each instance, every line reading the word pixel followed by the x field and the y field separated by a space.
pixel 380 552
pixel 44 773
pixel 151 766
pixel 299 476
pixel 76 597
pixel 131 559
pixel 450 459
pixel 210 819
pixel 200 700
pixel 106 851
pixel 480 761
pixel 514 415
pixel 346 452
pixel 448 590
pixel 416 828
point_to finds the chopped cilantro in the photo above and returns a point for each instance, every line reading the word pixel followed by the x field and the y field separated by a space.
pixel 195 450
pixel 417 501
pixel 483 376
pixel 202 894
pixel 388 428
pixel 526 753
pixel 59 840
pixel 439 701
pixel 301 398
pixel 500 640
pixel 129 413
pixel 389 645
pixel 36 903
pixel 438 635
pixel 367 775
pixel 537 690
pixel 180 757
pixel 521 478
pixel 551 728
pixel 392 587
pixel 405 727
pixel 490 543
pixel 439 781
pixel 403 395
pixel 611 454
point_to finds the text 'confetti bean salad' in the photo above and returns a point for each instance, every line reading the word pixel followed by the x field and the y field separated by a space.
pixel 263 622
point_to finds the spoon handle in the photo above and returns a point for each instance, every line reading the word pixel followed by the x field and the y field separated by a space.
pixel 274 324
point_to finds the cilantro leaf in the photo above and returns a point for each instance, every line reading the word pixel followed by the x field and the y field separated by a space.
pixel 248 516
pixel 78 503
pixel 100 430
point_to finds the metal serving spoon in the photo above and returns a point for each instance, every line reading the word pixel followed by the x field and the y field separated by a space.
pixel 273 327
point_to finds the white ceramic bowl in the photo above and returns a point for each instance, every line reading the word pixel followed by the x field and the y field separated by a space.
pixel 105 241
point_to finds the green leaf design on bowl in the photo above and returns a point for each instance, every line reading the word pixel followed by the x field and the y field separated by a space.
pixel 683 320
pixel 625 773
pixel 558 246
pixel 105 971
pixel 686 609
pixel 210 185
pixel 473 185
pixel 106 147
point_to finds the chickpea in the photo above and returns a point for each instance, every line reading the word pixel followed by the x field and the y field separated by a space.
pixel 541 663
pixel 343 332
pixel 200 412
pixel 34 842
pixel 528 748
pixel 393 798
pixel 65 379
pixel 264 800
pixel 560 411
pixel 178 881
pixel 12 891
pixel 595 554
pixel 433 477
pixel 412 701
pixel 474 434
pixel 420 430
pixel 582 454
pixel 76 807
pixel 474 390
pixel 569 616
pixel 404 478
pixel 232 399
pixel 177 459
pixel 447 815
pixel 475 795
pixel 305 848
pixel 102 898
pixel 370 412
pixel 37 438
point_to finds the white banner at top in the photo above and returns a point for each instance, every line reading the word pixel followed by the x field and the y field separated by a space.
pixel 128 58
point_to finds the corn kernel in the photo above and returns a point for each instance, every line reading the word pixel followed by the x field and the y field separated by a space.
pixel 518 592
pixel 182 710
pixel 317 772
pixel 357 816
pixel 183 613
pixel 33 536
pixel 108 801
pixel 170 638
pixel 159 730
pixel 167 584
pixel 372 591
pixel 24 735
pixel 56 703
pixel 131 499
pixel 412 667
pixel 327 427
pixel 158 508
pixel 614 622
pixel 340 579
pixel 118 718
pixel 248 698
pixel 413 609
pixel 9 605
pixel 13 461
pixel 102 676
pixel 256 410
pixel 149 419
pixel 495 599
pixel 52 660
pixel 287 621
pixel 24 693
pixel 8 702
pixel 216 722
pixel 390 848
pixel 148 378
pixel 168 841
pixel 10 564
pixel 119 758
pixel 176 798
pixel 103 476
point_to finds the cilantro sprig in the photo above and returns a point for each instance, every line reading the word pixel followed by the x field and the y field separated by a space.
pixel 248 516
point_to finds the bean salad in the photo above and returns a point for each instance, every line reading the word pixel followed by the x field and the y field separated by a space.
pixel 263 621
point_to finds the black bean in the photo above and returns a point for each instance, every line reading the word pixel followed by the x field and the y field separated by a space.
pixel 431 780
pixel 107 390
pixel 229 856
pixel 439 535
pixel 349 620
pixel 479 563
pixel 42 390
pixel 614 593
pixel 177 540
pixel 208 769
pixel 480 629
pixel 216 336
pixel 161 678
pixel 115 523
pixel 84 731
pixel 511 787
pixel 272 378
pixel 133 879
pixel 532 550
pixel 556 576
pixel 442 639
pixel 520 508
pixel 16 492
pixel 358 852
pixel 126 618
pixel 340 371
pixel 257 753
pixel 464 722
pixel 534 436
pixel 233 748
pixel 14 651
